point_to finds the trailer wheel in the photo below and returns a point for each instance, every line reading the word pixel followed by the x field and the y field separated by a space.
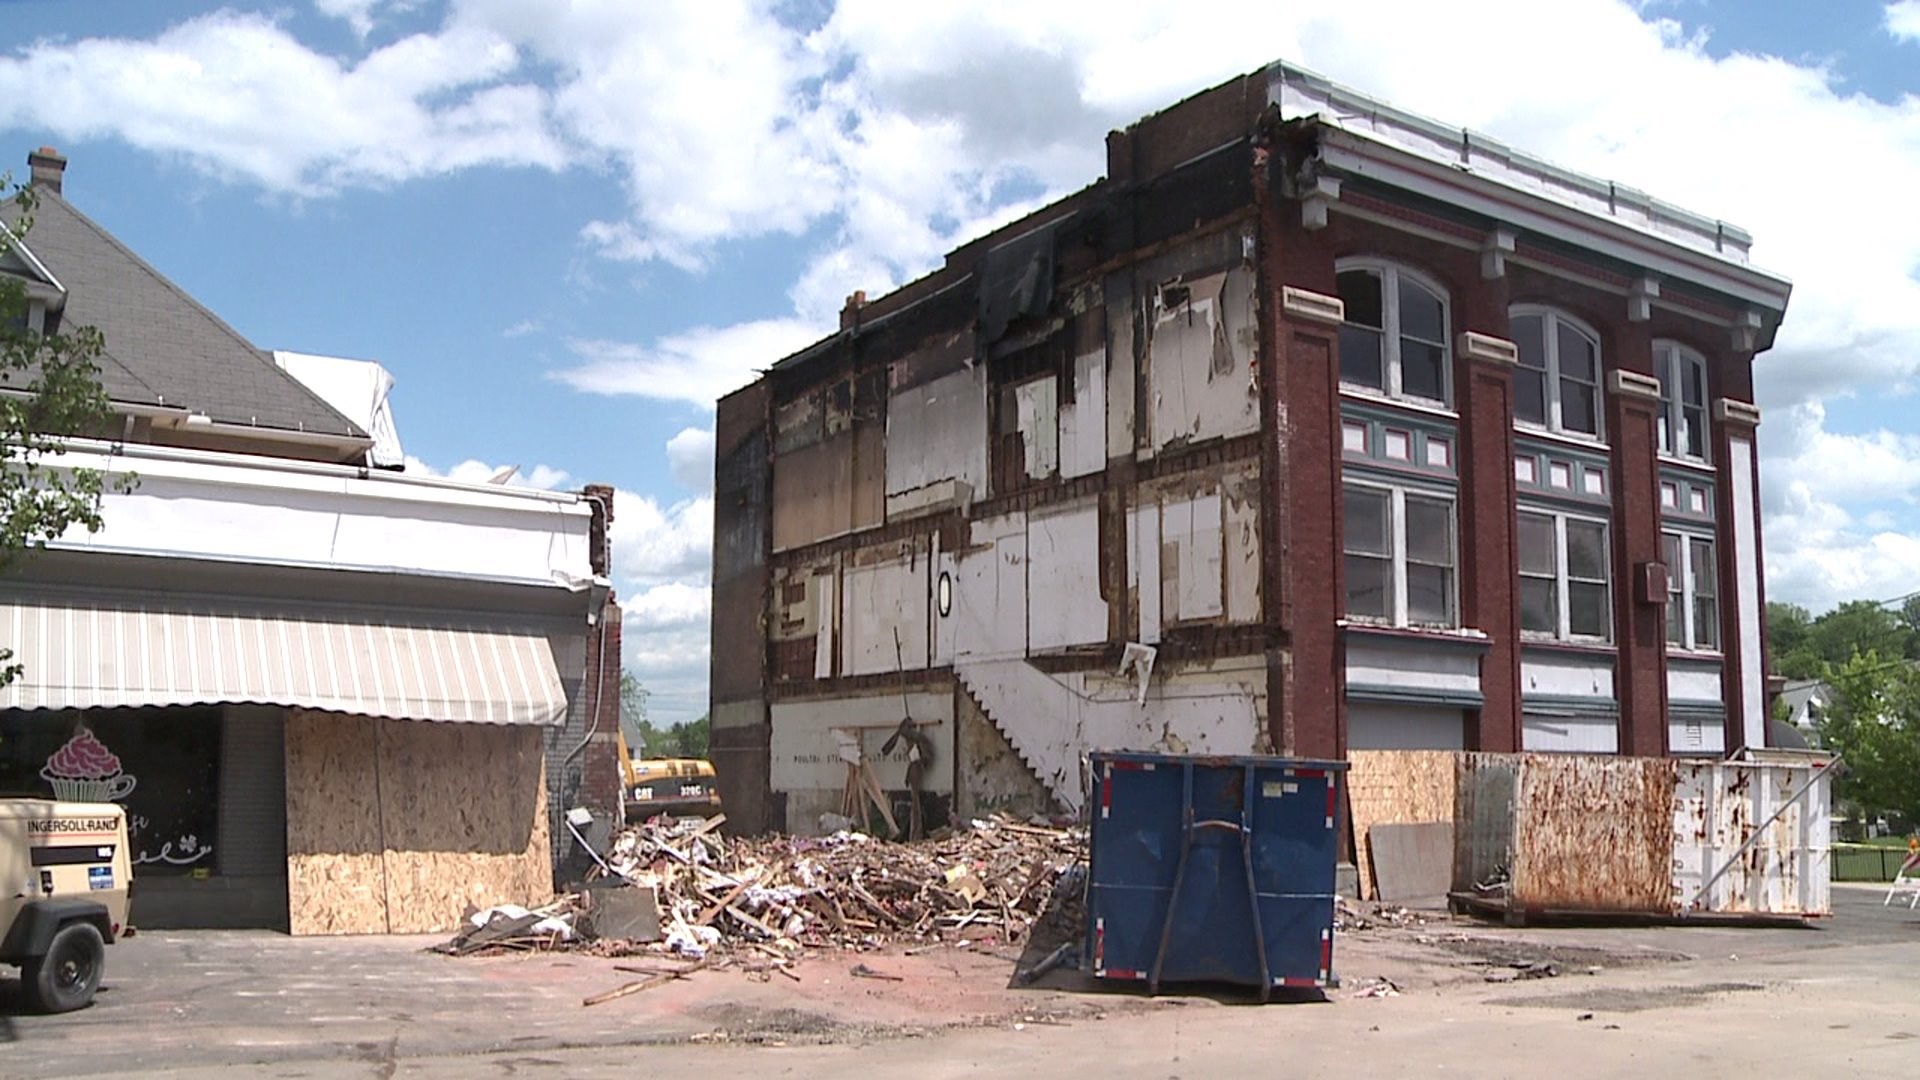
pixel 65 978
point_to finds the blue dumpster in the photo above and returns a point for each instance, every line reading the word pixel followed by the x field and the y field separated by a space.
pixel 1212 869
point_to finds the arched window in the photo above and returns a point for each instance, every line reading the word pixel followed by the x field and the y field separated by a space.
pixel 1394 341
pixel 1556 385
pixel 1683 400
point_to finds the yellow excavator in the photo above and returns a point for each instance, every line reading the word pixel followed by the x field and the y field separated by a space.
pixel 676 787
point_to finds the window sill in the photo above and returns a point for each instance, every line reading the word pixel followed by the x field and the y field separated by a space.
pixel 1563 645
pixel 1700 465
pixel 1703 655
pixel 1433 634
pixel 1423 406
pixel 1581 442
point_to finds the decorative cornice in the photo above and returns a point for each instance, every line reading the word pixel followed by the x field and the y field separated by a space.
pixel 1640 298
pixel 1633 384
pixel 1314 307
pixel 1493 253
pixel 1730 411
pixel 1477 346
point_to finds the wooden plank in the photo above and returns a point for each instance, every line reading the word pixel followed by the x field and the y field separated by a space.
pixel 1412 862
pixel 1403 787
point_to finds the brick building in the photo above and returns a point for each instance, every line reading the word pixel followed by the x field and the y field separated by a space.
pixel 1315 425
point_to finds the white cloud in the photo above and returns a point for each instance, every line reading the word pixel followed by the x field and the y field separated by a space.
pixel 1903 19
pixel 240 98
pixel 360 15
pixel 475 471
pixel 690 456
pixel 696 365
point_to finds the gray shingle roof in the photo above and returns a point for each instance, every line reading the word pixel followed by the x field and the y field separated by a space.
pixel 162 346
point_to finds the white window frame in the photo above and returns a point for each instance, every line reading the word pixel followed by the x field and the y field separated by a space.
pixel 1563 577
pixel 1397 541
pixel 1390 274
pixel 1670 362
pixel 1683 589
pixel 1552 319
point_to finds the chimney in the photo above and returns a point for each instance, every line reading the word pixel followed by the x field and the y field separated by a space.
pixel 850 315
pixel 47 166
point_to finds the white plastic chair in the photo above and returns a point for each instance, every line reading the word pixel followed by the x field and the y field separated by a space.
pixel 1906 882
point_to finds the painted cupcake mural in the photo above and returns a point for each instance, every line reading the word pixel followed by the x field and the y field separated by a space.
pixel 84 770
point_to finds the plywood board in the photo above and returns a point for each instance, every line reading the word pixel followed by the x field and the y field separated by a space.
pixel 336 877
pixel 465 815
pixel 1412 862
pixel 1593 833
pixel 401 826
pixel 1404 787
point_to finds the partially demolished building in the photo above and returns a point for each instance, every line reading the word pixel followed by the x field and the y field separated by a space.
pixel 1315 425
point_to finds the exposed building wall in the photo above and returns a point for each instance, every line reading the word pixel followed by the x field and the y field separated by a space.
pixel 992 777
pixel 1121 421
pixel 809 736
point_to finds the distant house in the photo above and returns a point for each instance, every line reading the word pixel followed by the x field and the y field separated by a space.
pixel 1807 702
pixel 333 697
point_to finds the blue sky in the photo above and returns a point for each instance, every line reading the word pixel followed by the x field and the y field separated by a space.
pixel 566 226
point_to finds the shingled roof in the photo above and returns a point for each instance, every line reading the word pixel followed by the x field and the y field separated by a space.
pixel 163 347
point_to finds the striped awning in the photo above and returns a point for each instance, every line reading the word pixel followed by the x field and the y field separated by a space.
pixel 90 652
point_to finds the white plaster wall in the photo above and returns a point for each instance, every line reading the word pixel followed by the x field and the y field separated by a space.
pixel 1566 674
pixel 1052 720
pixel 1570 734
pixel 1372 726
pixel 1242 536
pixel 1695 681
pixel 1063 579
pixel 1191 574
pixel 1199 366
pixel 1689 735
pixel 1746 561
pixel 1083 424
pixel 1143 568
pixel 990 594
pixel 203 504
pixel 807 757
pixel 880 601
pixel 938 431
pixel 1412 666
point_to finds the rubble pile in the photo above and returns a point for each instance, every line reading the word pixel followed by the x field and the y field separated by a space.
pixel 773 898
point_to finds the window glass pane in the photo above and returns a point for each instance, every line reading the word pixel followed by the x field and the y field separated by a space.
pixel 1422 369
pixel 1429 531
pixel 1705 572
pixel 1670 554
pixel 1369 586
pixel 1429 594
pixel 1706 623
pixel 1539 608
pixel 1665 435
pixel 1693 381
pixel 1529 334
pixel 1530 395
pixel 1366 522
pixel 1675 612
pixel 1421 313
pixel 1693 432
pixel 1360 290
pixel 1587 609
pixel 1663 369
pixel 1579 407
pixel 1587 550
pixel 1537 544
pixel 1360 357
pixel 1577 355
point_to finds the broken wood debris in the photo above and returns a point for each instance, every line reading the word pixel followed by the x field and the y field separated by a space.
pixel 760 903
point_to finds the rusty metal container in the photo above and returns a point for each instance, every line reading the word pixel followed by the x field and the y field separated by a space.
pixel 1577 834
pixel 1756 833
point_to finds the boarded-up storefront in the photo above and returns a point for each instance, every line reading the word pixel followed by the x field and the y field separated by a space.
pixel 402 826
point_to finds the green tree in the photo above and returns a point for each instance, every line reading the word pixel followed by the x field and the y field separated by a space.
pixel 1874 724
pixel 1860 626
pixel 1790 641
pixel 645 739
pixel 49 389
